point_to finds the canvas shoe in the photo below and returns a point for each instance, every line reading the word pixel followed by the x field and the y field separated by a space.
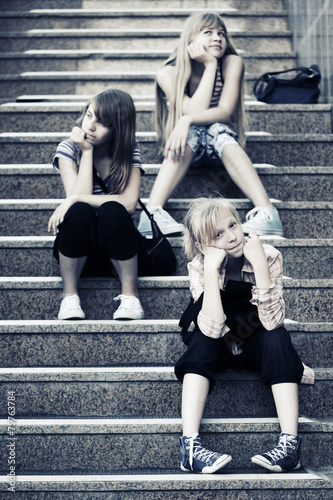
pixel 265 221
pixel 195 458
pixel 70 308
pixel 284 458
pixel 130 308
pixel 165 222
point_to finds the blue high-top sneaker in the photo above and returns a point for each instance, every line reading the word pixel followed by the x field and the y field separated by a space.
pixel 265 221
pixel 284 457
pixel 195 458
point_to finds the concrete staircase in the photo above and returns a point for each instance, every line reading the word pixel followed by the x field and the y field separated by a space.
pixel 96 408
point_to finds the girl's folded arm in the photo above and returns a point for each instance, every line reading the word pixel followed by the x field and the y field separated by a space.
pixel 270 302
pixel 128 197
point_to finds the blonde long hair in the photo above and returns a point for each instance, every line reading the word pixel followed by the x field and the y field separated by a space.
pixel 167 117
pixel 115 109
pixel 200 222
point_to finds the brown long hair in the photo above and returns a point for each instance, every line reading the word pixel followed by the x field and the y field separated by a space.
pixel 167 117
pixel 115 109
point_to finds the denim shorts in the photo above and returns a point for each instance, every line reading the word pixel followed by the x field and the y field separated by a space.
pixel 209 143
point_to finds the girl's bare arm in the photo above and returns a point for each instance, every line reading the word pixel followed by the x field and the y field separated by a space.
pixel 128 197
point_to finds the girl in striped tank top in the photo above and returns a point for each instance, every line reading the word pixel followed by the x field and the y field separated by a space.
pixel 100 167
pixel 201 120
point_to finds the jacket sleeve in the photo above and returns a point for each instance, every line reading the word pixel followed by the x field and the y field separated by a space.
pixel 270 303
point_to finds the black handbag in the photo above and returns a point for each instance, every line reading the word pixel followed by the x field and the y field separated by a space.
pixel 162 260
pixel 302 88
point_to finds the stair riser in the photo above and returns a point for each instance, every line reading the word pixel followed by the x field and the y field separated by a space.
pixel 239 21
pixel 317 150
pixel 284 187
pixel 20 43
pixel 288 187
pixel 108 453
pixel 122 349
pixel 112 63
pixel 281 121
pixel 302 304
pixel 153 399
pixel 301 223
pixel 298 262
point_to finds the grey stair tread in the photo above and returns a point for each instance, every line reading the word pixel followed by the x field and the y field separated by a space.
pixel 175 204
pixel 177 481
pixel 123 374
pixel 143 326
pixel 155 425
pixel 97 4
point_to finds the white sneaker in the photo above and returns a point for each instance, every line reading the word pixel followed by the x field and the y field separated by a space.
pixel 70 308
pixel 130 308
pixel 265 221
pixel 165 222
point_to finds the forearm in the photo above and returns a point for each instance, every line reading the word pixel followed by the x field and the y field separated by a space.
pixel 212 304
pixel 201 98
pixel 219 114
pixel 97 200
pixel 262 275
pixel 84 180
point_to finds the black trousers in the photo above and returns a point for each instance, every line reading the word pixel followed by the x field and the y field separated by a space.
pixel 102 234
pixel 270 353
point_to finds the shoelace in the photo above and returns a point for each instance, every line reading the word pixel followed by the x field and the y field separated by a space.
pixel 161 215
pixel 72 302
pixel 199 451
pixel 261 213
pixel 282 448
pixel 125 298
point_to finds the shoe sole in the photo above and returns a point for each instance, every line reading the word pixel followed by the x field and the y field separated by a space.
pixel 127 318
pixel 209 470
pixel 263 232
pixel 272 468
pixel 71 318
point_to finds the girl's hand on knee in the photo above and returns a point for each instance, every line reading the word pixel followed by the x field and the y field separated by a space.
pixel 176 143
pixel 78 137
pixel 59 214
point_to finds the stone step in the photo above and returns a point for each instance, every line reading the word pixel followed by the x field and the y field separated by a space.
pixel 21 5
pixel 33 256
pixel 86 82
pixel 50 116
pixel 285 183
pixel 128 59
pixel 136 18
pixel 151 392
pixel 39 298
pixel 153 38
pixel 32 343
pixel 262 147
pixel 89 444
pixel 169 484
pixel 310 219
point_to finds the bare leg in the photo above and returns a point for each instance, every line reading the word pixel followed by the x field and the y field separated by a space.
pixel 195 392
pixel 169 176
pixel 243 173
pixel 70 272
pixel 128 274
pixel 286 403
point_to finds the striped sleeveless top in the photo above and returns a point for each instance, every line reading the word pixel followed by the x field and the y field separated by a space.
pixel 218 86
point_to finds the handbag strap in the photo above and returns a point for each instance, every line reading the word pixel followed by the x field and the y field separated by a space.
pixel 99 179
pixel 144 208
pixel 155 229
